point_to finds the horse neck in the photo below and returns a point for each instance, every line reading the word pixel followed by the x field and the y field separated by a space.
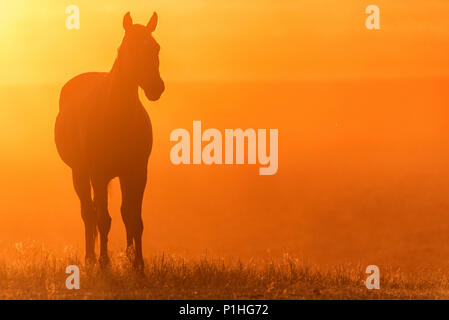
pixel 123 88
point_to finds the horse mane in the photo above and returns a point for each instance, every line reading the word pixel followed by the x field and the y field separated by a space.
pixel 118 59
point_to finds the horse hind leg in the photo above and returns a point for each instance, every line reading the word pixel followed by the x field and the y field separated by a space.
pixel 81 183
pixel 100 187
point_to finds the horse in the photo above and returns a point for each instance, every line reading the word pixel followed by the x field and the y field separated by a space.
pixel 103 131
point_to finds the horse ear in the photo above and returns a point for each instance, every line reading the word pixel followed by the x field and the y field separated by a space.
pixel 152 24
pixel 127 21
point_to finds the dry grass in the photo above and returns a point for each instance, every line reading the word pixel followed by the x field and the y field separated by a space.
pixel 29 271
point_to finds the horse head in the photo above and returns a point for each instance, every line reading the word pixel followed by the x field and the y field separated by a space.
pixel 140 53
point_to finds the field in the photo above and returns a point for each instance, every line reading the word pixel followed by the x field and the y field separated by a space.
pixel 360 182
pixel 33 272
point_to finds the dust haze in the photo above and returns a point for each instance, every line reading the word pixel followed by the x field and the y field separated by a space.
pixel 363 173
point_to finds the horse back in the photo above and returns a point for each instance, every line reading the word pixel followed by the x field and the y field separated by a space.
pixel 76 90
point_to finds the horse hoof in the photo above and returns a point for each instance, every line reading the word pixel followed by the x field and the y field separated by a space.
pixel 104 262
pixel 139 267
pixel 90 260
pixel 130 253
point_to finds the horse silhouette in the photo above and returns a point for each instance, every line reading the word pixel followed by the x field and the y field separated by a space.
pixel 102 131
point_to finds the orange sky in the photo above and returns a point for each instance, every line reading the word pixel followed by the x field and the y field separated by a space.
pixel 362 162
pixel 217 40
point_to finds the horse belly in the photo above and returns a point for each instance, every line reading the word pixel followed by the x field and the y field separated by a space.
pixel 124 146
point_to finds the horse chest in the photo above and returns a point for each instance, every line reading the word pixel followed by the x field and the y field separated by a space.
pixel 117 138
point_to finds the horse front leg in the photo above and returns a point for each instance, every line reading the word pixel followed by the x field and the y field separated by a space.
pixel 132 185
pixel 100 187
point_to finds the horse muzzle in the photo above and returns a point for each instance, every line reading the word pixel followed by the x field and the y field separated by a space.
pixel 154 92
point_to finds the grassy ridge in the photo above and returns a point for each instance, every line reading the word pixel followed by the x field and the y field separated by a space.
pixel 29 271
